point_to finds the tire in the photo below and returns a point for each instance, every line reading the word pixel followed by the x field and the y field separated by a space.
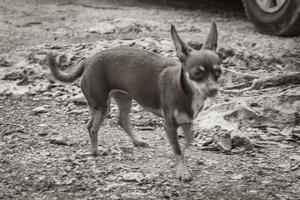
pixel 282 22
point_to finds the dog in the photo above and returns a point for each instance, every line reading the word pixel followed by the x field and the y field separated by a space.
pixel 169 88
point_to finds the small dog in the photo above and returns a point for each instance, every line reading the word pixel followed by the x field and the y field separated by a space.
pixel 174 90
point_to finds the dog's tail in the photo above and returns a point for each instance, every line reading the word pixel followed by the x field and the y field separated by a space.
pixel 61 76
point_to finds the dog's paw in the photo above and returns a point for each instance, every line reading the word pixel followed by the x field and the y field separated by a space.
pixel 183 175
pixel 140 143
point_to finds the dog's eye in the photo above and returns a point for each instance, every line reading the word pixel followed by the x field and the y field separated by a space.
pixel 199 72
pixel 217 72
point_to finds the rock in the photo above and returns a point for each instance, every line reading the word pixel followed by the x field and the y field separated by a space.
pixel 252 191
pixel 76 112
pixel 237 176
pixel 114 197
pixel 24 81
pixel 295 157
pixel 43 125
pixel 58 141
pixel 285 146
pixel 13 76
pixel 43 134
pixel 133 177
pixel 133 195
pixel 39 110
pixel 266 182
pixel 137 116
pixel 53 132
pixel 241 141
pixel 70 181
pixel 113 186
pixel 77 99
pixel 103 28
pixel 152 176
pixel 4 63
pixel 29 24
pixel 223 141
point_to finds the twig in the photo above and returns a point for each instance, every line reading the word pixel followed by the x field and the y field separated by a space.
pixel 18 125
pixel 247 76
pixel 293 78
pixel 236 92
pixel 91 6
pixel 238 86
pixel 98 7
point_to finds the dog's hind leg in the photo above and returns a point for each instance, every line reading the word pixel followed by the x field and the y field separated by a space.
pixel 97 117
pixel 124 103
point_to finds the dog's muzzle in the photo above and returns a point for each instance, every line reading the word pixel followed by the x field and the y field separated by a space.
pixel 212 92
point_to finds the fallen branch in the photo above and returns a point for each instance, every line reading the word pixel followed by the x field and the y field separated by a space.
pixel 91 6
pixel 246 76
pixel 293 78
pixel 238 86
pixel 98 7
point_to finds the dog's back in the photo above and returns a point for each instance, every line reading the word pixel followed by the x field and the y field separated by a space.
pixel 139 71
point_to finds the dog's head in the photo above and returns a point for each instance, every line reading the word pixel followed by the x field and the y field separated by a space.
pixel 201 67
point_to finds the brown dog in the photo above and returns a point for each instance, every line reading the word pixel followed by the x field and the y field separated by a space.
pixel 170 89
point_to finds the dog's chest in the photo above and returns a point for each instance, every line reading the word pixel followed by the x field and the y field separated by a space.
pixel 198 96
pixel 197 104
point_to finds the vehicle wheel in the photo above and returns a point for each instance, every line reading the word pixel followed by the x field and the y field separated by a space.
pixel 275 17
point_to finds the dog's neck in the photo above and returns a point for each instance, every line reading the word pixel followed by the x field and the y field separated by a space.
pixel 186 87
pixel 194 94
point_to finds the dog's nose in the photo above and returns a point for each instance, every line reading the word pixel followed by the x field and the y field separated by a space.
pixel 212 92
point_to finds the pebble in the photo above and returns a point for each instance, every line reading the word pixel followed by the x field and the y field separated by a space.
pixel 43 134
pixel 133 177
pixel 237 176
pixel 58 141
pixel 132 195
pixel 39 110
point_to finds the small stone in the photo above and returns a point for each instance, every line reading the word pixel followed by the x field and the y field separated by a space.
pixel 114 197
pixel 252 191
pixel 76 112
pixel 237 176
pixel 45 153
pixel 58 141
pixel 53 132
pixel 42 125
pixel 43 134
pixel 285 146
pixel 132 195
pixel 39 110
pixel 266 182
pixel 152 176
pixel 133 177
pixel 295 157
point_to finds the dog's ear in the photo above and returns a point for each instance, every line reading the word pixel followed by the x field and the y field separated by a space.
pixel 182 50
pixel 211 42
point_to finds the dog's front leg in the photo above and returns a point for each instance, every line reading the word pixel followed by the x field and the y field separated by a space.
pixel 181 168
pixel 188 134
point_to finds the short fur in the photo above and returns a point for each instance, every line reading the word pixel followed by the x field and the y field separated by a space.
pixel 170 89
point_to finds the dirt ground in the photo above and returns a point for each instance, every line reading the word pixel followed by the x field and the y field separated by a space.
pixel 246 142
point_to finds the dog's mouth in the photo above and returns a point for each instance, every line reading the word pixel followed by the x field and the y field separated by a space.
pixel 212 92
pixel 211 87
